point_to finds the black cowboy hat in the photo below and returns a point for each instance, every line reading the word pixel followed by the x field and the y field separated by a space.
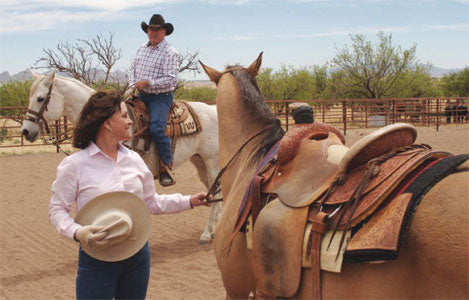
pixel 157 21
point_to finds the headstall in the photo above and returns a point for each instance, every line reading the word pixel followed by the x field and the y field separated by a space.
pixel 35 116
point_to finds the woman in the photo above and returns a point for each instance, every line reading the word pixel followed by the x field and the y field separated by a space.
pixel 104 165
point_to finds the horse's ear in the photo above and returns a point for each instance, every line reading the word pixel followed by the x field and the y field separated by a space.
pixel 253 69
pixel 34 74
pixel 50 77
pixel 213 74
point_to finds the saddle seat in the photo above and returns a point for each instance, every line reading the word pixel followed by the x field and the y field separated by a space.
pixel 315 172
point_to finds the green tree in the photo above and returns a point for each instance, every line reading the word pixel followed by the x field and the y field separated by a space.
pixel 373 71
pixel 14 94
pixel 456 84
pixel 201 94
pixel 290 83
pixel 265 81
pixel 417 82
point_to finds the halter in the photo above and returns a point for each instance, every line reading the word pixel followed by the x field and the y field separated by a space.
pixel 36 116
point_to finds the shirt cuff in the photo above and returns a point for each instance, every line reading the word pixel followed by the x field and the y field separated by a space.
pixel 71 231
pixel 186 200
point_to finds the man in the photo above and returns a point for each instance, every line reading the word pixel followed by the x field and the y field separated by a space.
pixel 154 72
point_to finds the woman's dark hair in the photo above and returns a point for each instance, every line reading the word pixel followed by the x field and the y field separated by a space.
pixel 100 107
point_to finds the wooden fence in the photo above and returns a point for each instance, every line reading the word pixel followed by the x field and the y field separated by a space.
pixel 344 114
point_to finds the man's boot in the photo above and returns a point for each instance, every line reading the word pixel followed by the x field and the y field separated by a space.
pixel 164 177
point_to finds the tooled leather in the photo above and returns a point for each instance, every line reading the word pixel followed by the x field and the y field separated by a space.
pixel 391 173
pixel 382 145
pixel 382 231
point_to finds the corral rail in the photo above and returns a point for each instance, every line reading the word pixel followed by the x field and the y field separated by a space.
pixel 344 114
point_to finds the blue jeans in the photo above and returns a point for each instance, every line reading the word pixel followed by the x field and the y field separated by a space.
pixel 125 279
pixel 159 106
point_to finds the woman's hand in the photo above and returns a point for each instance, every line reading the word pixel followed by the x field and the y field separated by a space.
pixel 199 199
pixel 90 236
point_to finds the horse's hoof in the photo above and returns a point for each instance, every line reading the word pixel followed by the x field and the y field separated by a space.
pixel 204 240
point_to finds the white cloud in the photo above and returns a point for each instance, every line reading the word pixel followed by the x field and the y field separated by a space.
pixel 455 27
pixel 114 5
pixel 358 30
pixel 34 21
pixel 35 15
pixel 236 38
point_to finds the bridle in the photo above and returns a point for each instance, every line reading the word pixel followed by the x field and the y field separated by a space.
pixel 36 116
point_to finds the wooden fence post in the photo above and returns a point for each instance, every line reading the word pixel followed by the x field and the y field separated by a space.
pixel 323 103
pixel 57 130
pixel 344 115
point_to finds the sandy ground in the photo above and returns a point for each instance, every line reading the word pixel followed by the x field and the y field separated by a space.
pixel 37 263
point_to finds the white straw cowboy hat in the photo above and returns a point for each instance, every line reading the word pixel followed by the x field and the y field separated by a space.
pixel 124 216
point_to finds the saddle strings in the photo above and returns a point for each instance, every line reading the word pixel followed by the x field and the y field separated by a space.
pixel 372 171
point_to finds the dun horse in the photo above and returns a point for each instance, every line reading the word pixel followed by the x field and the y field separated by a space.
pixel 53 96
pixel 433 259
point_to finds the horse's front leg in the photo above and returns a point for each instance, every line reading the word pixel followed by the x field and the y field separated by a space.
pixel 209 231
pixel 211 168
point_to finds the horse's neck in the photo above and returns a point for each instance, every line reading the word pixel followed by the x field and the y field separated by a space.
pixel 75 95
pixel 234 122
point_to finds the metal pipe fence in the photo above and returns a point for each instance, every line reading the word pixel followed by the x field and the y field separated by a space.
pixel 345 114
pixel 11 120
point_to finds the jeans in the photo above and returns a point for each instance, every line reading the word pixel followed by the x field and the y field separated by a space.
pixel 125 279
pixel 159 106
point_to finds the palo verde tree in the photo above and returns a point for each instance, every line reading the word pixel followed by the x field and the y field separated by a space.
pixel 456 83
pixel 373 71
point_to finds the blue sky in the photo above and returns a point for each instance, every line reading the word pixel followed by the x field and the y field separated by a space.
pixel 290 32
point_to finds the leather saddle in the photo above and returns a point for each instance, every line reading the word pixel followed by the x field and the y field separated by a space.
pixel 322 187
pixel 182 121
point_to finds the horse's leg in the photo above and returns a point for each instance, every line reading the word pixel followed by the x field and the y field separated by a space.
pixel 207 174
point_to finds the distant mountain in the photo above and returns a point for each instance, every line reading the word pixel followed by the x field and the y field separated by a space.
pixel 121 76
pixel 115 76
pixel 440 72
pixel 4 76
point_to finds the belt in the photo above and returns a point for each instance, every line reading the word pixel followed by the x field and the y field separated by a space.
pixel 153 94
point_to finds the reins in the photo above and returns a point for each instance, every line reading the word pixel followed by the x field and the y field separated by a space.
pixel 215 188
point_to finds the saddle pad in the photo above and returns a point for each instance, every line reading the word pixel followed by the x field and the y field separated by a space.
pixel 301 181
pixel 276 249
pixel 391 173
pixel 183 116
pixel 329 260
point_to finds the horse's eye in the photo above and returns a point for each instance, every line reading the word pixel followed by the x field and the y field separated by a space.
pixel 40 99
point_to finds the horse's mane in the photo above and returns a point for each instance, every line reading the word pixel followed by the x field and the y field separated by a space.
pixel 258 110
pixel 36 83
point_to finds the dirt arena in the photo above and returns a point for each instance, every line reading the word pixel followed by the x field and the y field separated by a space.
pixel 37 263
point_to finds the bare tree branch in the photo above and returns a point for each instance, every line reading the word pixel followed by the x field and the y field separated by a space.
pixel 105 51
